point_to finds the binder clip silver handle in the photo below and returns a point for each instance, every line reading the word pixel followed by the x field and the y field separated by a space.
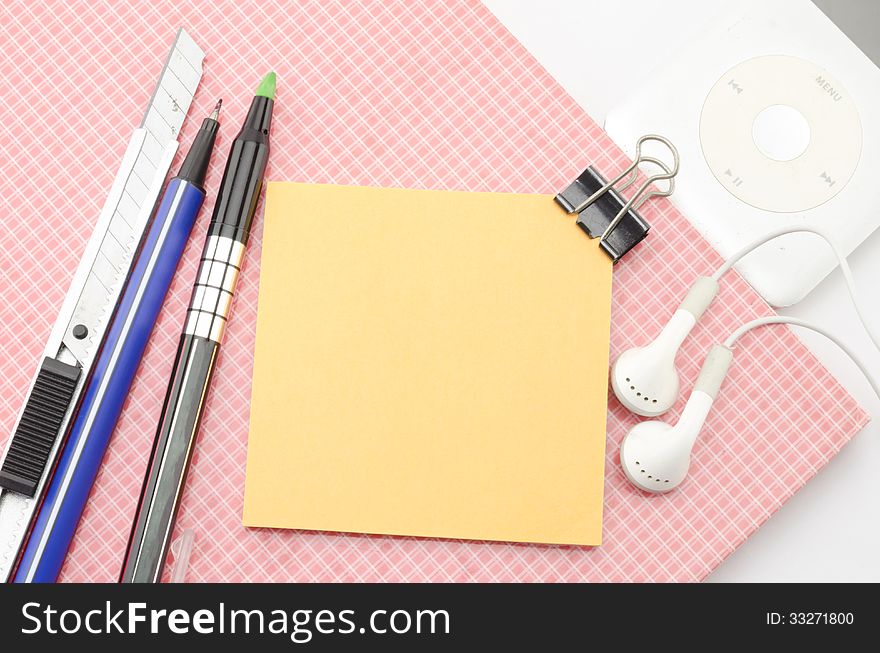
pixel 602 211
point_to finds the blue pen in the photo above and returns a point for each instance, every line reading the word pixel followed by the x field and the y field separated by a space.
pixel 114 371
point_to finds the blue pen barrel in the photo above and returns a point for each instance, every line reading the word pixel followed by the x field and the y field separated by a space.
pixel 113 374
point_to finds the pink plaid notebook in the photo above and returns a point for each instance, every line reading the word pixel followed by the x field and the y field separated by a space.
pixel 426 94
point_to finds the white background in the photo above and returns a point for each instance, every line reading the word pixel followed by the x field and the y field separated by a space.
pixel 831 529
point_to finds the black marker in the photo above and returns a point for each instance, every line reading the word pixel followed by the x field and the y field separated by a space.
pixel 200 342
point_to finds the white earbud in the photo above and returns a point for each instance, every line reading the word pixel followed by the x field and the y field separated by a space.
pixel 655 456
pixel 644 379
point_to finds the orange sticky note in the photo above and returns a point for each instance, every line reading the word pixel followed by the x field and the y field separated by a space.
pixel 428 363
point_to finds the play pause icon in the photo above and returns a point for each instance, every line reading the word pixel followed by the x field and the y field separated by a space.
pixel 736 181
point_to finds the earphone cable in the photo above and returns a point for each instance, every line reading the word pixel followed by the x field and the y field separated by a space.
pixel 844 268
pixel 784 319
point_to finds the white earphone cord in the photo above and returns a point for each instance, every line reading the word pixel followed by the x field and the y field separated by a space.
pixel 844 268
pixel 782 319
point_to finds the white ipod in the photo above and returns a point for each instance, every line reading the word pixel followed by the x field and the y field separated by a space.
pixel 776 115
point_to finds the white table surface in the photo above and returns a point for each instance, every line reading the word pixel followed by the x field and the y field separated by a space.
pixel 830 530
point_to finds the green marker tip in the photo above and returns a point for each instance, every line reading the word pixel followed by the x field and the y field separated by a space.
pixel 267 86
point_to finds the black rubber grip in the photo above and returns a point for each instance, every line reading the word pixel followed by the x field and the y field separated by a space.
pixel 38 428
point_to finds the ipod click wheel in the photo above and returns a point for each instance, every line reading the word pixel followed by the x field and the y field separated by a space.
pixel 773 110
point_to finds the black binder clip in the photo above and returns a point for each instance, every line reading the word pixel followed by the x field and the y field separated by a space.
pixel 603 213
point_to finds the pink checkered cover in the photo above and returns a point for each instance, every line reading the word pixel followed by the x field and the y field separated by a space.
pixel 426 94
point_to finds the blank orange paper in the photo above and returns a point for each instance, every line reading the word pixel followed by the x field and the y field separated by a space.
pixel 428 363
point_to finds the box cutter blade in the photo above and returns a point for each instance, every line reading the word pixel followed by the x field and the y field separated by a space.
pixel 90 303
